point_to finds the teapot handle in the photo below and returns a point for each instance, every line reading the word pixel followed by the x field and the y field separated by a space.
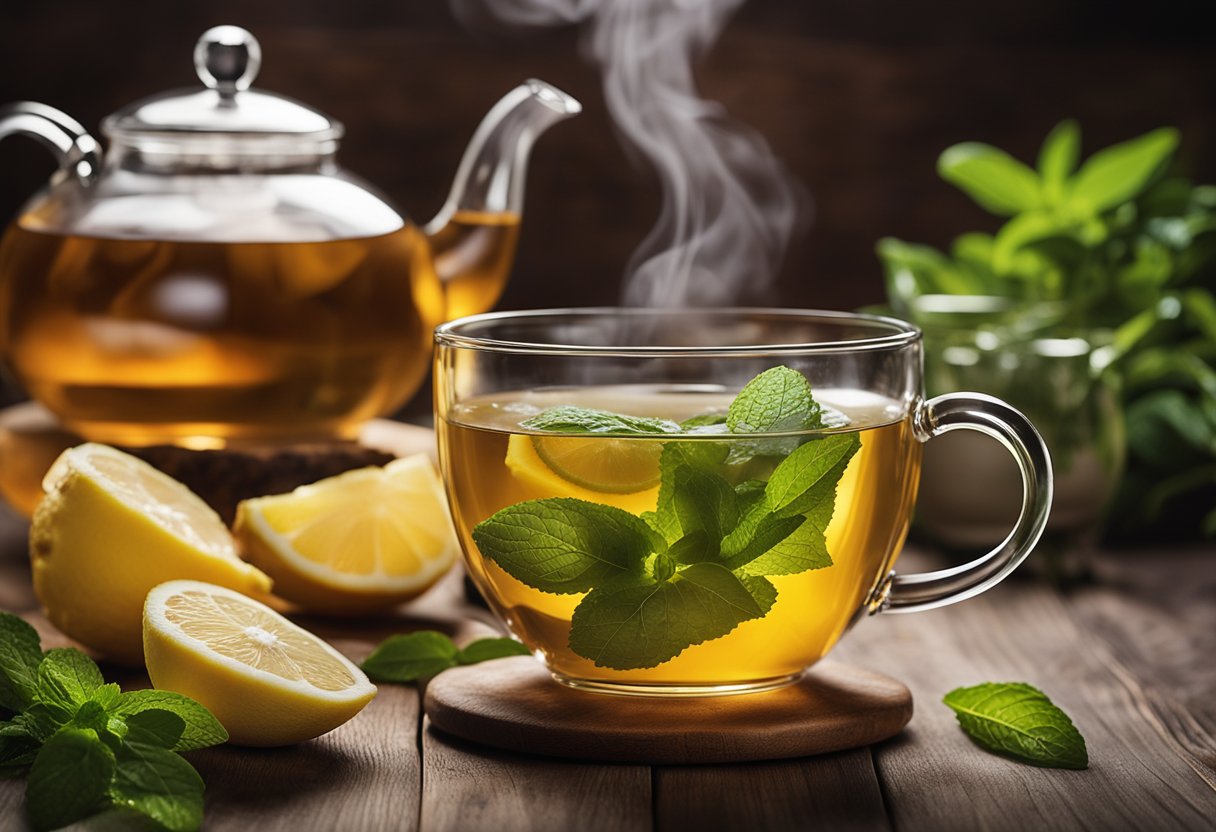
pixel 78 153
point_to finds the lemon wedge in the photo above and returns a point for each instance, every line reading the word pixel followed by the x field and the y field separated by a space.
pixel 267 680
pixel 353 543
pixel 109 529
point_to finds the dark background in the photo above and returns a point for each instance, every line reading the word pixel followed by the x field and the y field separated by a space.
pixel 857 97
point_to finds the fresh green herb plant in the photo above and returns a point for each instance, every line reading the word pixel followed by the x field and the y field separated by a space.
pixel 729 515
pixel 1019 721
pixel 1113 243
pixel 413 656
pixel 85 746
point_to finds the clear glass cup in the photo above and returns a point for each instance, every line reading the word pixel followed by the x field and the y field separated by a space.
pixel 636 596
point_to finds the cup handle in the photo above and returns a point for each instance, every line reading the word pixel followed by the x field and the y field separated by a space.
pixel 990 416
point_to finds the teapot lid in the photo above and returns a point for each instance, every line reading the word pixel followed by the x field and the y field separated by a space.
pixel 228 113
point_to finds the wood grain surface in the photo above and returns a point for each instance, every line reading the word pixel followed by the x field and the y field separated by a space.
pixel 1130 658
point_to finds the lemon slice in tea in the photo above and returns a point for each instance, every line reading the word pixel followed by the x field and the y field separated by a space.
pixel 607 464
pixel 267 680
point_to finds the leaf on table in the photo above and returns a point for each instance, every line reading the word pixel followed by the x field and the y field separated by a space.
pixel 20 655
pixel 158 783
pixel 411 656
pixel 564 545
pixel 69 779
pixel 200 729
pixel 154 728
pixel 487 649
pixel 1019 721
pixel 18 746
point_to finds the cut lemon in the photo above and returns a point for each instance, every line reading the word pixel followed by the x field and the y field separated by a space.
pixel 615 466
pixel 353 543
pixel 268 681
pixel 579 470
pixel 109 529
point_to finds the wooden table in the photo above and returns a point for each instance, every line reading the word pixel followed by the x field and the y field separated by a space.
pixel 1132 658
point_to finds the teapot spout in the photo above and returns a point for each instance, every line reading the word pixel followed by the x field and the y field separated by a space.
pixel 473 235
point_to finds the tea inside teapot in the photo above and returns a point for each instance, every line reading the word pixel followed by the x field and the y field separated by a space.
pixel 219 278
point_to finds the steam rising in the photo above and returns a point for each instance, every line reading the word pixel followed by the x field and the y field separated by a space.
pixel 729 206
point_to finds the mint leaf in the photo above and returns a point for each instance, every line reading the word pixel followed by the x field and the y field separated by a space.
pixel 1058 159
pixel 637 622
pixel 776 401
pixel 91 715
pixel 1019 721
pixel 155 781
pixel 106 696
pixel 571 419
pixel 67 679
pixel 69 779
pixel 1120 172
pixel 768 534
pixel 18 746
pixel 564 545
pixel 704 502
pixel 154 728
pixel 43 720
pixel 792 487
pixel 699 455
pixel 692 548
pixel 412 656
pixel 997 181
pixel 704 420
pixel 762 591
pixel 20 655
pixel 199 728
pixel 485 649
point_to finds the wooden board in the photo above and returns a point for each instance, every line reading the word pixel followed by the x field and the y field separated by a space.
pixel 516 705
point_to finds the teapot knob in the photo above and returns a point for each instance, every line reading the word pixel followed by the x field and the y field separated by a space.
pixel 227 59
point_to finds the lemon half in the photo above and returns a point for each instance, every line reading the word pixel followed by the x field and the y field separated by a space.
pixel 109 529
pixel 267 680
pixel 353 543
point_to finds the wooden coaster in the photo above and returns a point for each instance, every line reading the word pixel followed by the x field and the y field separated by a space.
pixel 516 705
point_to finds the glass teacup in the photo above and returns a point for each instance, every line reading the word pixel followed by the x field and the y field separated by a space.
pixel 700 502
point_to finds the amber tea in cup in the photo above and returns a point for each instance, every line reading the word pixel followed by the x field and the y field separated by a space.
pixel 699 502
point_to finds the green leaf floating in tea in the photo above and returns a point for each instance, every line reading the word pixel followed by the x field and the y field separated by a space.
pixel 729 514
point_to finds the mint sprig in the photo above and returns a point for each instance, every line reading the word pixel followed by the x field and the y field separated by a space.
pixel 697 566
pixel 1019 721
pixel 86 746
pixel 571 419
pixel 413 656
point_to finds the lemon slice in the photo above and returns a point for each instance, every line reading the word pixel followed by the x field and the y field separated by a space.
pixel 353 543
pixel 606 464
pixel 268 681
pixel 109 529
pixel 537 480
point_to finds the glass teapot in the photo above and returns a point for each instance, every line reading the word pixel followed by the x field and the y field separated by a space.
pixel 217 277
